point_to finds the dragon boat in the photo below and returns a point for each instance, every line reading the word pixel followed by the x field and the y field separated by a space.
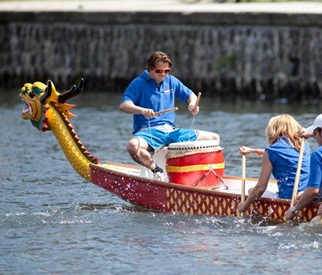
pixel 196 183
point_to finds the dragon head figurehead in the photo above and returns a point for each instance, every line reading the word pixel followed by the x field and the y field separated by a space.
pixel 37 96
pixel 33 109
pixel 47 110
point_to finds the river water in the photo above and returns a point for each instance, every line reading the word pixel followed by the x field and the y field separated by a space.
pixel 54 222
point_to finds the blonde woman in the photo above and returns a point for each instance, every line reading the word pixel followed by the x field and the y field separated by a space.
pixel 280 158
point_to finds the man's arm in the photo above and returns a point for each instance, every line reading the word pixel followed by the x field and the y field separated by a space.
pixel 307 197
pixel 130 108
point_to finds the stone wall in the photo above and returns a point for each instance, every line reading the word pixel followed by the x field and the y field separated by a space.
pixel 254 56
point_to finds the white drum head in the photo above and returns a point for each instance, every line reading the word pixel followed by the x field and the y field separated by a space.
pixel 180 149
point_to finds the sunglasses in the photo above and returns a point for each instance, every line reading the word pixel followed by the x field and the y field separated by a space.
pixel 160 71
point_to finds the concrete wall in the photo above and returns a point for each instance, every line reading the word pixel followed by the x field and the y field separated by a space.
pixel 256 56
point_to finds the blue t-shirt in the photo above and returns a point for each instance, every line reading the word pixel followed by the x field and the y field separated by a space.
pixel 315 179
pixel 284 158
pixel 143 91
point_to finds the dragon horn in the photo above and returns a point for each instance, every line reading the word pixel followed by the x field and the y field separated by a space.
pixel 74 91
pixel 47 93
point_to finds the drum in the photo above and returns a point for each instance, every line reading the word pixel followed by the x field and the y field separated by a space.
pixel 196 163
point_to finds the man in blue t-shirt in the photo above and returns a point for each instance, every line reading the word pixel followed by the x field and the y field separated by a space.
pixel 314 186
pixel 153 91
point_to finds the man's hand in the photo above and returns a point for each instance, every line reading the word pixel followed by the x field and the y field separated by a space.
pixel 290 214
pixel 147 113
pixel 194 110
pixel 305 135
pixel 242 206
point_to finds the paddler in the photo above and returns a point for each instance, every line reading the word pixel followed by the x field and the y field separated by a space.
pixel 313 192
pixel 280 158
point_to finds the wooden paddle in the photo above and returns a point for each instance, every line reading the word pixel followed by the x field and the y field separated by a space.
pixel 243 180
pixel 166 111
pixel 243 186
pixel 298 173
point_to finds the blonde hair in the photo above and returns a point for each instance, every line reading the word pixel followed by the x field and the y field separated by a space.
pixel 286 126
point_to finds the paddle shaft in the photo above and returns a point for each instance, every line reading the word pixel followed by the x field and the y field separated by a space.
pixel 166 111
pixel 298 173
pixel 243 177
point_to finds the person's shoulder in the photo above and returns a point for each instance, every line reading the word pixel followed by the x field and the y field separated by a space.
pixel 318 153
pixel 176 82
pixel 282 142
pixel 319 149
pixel 277 143
pixel 142 78
pixel 173 78
pixel 275 147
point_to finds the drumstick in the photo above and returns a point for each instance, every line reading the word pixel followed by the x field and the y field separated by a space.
pixel 166 111
pixel 197 102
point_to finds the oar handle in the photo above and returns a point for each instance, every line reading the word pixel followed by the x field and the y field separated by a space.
pixel 197 101
pixel 166 111
pixel 298 173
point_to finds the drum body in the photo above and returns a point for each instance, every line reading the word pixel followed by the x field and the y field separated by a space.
pixel 196 163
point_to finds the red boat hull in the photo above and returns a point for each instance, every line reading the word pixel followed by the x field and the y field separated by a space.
pixel 171 197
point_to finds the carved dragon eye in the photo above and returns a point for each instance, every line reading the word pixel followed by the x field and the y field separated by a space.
pixel 32 94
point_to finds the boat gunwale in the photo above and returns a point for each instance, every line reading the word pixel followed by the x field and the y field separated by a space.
pixel 201 190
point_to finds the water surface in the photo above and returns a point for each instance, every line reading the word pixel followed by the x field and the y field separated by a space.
pixel 54 222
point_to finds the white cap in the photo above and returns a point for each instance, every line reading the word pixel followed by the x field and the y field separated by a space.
pixel 316 124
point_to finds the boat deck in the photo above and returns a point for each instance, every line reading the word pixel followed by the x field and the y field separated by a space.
pixel 232 185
